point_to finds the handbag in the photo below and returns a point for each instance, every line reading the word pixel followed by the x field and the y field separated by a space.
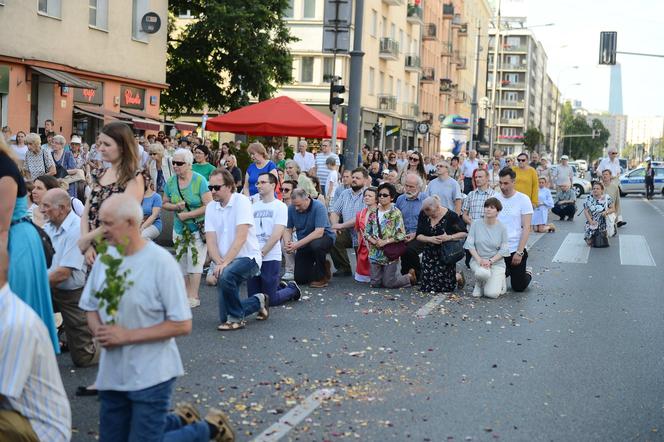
pixel 200 225
pixel 600 240
pixel 47 244
pixel 392 251
pixel 452 252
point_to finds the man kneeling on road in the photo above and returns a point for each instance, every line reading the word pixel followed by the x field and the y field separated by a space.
pixel 308 218
pixel 139 357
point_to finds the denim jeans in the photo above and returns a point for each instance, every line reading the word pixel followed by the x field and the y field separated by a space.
pixel 268 282
pixel 137 416
pixel 231 308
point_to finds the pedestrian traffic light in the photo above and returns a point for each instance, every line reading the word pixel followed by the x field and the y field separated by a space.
pixel 608 45
pixel 376 130
pixel 335 91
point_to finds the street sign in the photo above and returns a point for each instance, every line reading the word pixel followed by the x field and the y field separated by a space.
pixel 342 43
pixel 460 120
pixel 337 13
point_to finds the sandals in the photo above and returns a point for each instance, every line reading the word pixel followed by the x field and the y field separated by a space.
pixel 231 326
pixel 187 412
pixel 264 311
pixel 220 421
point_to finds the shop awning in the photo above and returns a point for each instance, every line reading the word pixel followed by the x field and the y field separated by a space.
pixel 64 78
pixel 142 120
pixel 101 113
pixel 140 114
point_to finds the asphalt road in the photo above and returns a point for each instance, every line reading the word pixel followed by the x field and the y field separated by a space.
pixel 578 357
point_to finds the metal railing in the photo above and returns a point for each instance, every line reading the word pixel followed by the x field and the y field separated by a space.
pixel 428 74
pixel 387 102
pixel 389 47
pixel 414 13
pixel 412 62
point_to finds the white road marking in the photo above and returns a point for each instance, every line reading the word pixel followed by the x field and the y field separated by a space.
pixel 573 250
pixel 634 251
pixel 290 420
pixel 429 306
pixel 657 209
pixel 533 238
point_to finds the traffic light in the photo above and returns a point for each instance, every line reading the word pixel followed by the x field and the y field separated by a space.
pixel 608 45
pixel 376 130
pixel 335 91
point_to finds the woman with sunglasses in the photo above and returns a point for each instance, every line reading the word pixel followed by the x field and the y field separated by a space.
pixel 159 166
pixel 415 165
pixel 187 194
pixel 201 164
pixel 392 161
pixel 385 226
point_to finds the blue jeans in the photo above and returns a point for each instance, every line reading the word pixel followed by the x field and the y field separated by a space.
pixel 268 282
pixel 230 307
pixel 137 416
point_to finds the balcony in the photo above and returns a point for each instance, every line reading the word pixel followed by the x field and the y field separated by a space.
pixel 414 14
pixel 513 103
pixel 428 75
pixel 387 102
pixel 507 84
pixel 446 85
pixel 411 110
pixel 447 50
pixel 429 32
pixel 448 10
pixel 412 62
pixel 514 67
pixel 511 121
pixel 389 49
pixel 514 48
pixel 393 2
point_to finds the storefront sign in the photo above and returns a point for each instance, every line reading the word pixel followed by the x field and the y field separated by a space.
pixel 90 96
pixel 132 97
pixel 4 79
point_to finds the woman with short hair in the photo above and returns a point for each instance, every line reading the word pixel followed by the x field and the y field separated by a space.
pixel 293 172
pixel 231 166
pixel 488 246
pixel 160 167
pixel 38 161
pixel 65 164
pixel 186 193
pixel 260 164
pixel 202 164
pixel 596 208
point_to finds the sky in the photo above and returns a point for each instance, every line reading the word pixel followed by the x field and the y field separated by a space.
pixel 574 41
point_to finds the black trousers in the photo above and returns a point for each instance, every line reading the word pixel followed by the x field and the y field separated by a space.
pixel 517 274
pixel 563 210
pixel 411 259
pixel 650 187
pixel 310 260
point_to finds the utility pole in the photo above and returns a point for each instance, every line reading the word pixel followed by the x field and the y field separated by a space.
pixel 473 103
pixel 494 125
pixel 351 148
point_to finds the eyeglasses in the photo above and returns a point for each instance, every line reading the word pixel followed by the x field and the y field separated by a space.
pixel 179 163
pixel 613 153
pixel 522 160
pixel 215 188
pixel 440 165
pixel 414 159
pixel 384 195
pixel 153 153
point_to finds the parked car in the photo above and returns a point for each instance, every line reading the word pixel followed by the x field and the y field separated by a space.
pixel 583 165
pixel 634 181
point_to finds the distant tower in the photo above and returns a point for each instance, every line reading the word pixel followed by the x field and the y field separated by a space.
pixel 615 91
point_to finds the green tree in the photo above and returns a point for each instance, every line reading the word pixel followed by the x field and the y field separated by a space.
pixel 532 138
pixel 235 50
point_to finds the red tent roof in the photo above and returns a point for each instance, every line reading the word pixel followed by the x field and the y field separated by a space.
pixel 281 116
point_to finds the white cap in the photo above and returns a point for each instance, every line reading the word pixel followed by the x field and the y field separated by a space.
pixel 564 157
pixel 75 139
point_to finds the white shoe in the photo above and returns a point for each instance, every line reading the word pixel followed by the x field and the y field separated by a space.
pixel 477 291
pixel 288 276
pixel 194 302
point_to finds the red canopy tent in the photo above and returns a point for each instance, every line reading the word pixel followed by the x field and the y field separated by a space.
pixel 281 116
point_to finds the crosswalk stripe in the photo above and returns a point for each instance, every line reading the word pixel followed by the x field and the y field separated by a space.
pixel 429 306
pixel 634 251
pixel 532 239
pixel 573 250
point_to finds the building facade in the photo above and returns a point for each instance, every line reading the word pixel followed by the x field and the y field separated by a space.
pixel 617 127
pixel 82 63
pixel 643 130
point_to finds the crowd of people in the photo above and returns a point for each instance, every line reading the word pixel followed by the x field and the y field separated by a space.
pixel 79 228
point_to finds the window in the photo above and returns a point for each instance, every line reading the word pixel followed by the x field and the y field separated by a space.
pixel 98 14
pixel 182 13
pixel 288 12
pixel 383 27
pixel 309 9
pixel 398 90
pixel 138 9
pixel 50 7
pixel 374 23
pixel 372 80
pixel 401 41
pixel 307 70
pixel 381 83
pixel 328 69
pixel 511 96
pixel 390 85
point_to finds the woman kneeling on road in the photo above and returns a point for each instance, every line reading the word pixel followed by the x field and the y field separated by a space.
pixel 487 243
pixel 597 206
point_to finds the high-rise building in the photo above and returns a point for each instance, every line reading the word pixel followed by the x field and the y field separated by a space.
pixel 643 130
pixel 615 91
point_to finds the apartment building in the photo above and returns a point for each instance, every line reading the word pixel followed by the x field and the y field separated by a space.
pixel 448 59
pixel 520 84
pixel 550 117
pixel 82 63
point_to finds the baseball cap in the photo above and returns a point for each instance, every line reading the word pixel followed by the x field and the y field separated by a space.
pixel 75 139
pixel 564 157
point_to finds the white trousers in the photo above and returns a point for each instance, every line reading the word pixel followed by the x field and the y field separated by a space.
pixel 491 280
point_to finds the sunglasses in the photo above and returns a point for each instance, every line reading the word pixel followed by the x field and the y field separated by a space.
pixel 179 163
pixel 439 165
pixel 415 159
pixel 384 195
pixel 153 153
pixel 215 188
pixel 522 160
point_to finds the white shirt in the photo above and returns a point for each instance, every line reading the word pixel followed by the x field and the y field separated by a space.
pixel 513 208
pixel 332 182
pixel 468 167
pixel 322 170
pixel 20 151
pixel 613 166
pixel 266 216
pixel 67 253
pixel 224 220
pixel 157 295
pixel 29 375
pixel 306 161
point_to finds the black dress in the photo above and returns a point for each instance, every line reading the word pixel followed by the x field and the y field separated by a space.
pixel 436 276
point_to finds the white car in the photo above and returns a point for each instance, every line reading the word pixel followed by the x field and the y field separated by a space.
pixel 581 186
pixel 634 181
pixel 583 165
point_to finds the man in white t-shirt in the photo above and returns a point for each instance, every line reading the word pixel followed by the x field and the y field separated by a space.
pixel 270 221
pixel 467 168
pixel 515 216
pixel 304 159
pixel 233 246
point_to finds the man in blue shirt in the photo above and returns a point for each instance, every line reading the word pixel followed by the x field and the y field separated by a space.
pixel 308 218
pixel 410 204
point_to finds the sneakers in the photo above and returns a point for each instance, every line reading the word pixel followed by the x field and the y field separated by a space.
pixel 298 293
pixel 187 412
pixel 477 291
pixel 220 421
pixel 288 276
pixel 529 270
pixel 194 302
pixel 264 311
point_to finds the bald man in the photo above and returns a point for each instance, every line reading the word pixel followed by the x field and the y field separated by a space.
pixel 67 274
pixel 139 357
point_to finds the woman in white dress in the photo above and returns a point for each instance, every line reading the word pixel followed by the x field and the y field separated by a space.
pixel 540 220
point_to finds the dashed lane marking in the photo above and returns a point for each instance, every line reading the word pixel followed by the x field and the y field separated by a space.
pixel 634 251
pixel 429 306
pixel 573 250
pixel 657 209
pixel 290 420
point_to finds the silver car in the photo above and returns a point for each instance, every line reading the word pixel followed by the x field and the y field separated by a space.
pixel 634 181
pixel 581 186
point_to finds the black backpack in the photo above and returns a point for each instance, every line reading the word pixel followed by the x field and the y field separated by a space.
pixel 49 250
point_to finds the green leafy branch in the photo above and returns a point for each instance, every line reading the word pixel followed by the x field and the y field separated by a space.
pixel 116 283
pixel 184 243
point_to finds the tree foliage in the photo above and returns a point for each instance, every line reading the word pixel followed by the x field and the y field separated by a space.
pixel 532 138
pixel 235 50
pixel 586 148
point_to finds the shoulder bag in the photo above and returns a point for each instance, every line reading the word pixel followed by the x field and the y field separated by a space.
pixel 60 171
pixel 452 251
pixel 392 251
pixel 200 225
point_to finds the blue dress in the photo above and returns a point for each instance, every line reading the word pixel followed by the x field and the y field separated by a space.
pixel 253 171
pixel 28 275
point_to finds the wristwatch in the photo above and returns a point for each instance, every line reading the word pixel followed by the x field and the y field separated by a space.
pixel 520 253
